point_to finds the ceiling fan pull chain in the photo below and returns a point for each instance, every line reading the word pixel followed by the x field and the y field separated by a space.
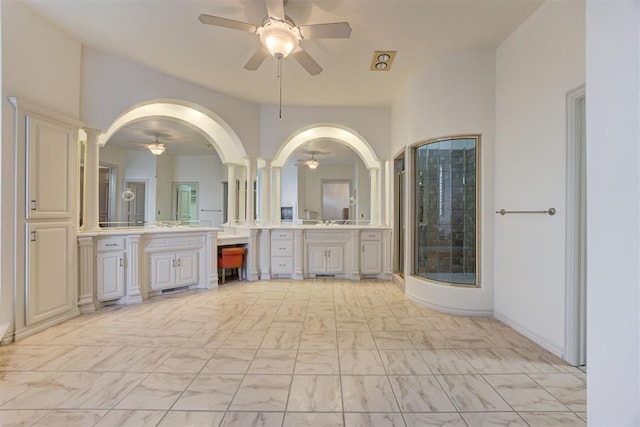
pixel 280 79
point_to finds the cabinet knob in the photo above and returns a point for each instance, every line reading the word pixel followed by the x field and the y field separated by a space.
pixel 33 205
pixel 33 236
pixel 121 262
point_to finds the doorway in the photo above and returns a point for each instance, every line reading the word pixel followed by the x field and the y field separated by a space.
pixel 135 202
pixel 185 202
pixel 576 282
pixel 335 200
pixel 398 214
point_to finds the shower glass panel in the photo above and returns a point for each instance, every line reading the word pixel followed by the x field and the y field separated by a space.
pixel 446 172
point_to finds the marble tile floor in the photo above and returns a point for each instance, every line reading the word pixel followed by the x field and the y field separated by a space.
pixel 285 353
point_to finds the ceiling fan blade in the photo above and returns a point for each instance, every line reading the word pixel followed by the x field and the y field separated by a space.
pixel 335 30
pixel 257 59
pixel 227 23
pixel 275 9
pixel 307 62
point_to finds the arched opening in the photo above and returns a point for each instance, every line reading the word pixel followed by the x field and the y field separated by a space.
pixel 370 185
pixel 207 127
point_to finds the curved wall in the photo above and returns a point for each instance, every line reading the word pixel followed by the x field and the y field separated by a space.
pixel 452 97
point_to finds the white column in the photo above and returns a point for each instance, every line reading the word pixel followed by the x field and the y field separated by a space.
pixel 242 194
pixel 231 194
pixel 91 170
pixel 251 177
pixel 211 252
pixel 252 256
pixel 373 178
pixel 86 262
pixel 275 216
pixel 265 254
pixel 133 287
pixel 266 193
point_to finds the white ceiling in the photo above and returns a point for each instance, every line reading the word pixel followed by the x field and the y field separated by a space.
pixel 166 35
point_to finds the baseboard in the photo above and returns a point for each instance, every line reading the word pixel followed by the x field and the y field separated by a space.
pixel 529 334
pixel 31 330
pixel 6 334
pixel 448 310
pixel 398 280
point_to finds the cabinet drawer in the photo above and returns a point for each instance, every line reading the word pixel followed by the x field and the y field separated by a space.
pixel 282 265
pixel 282 235
pixel 282 248
pixel 371 235
pixel 111 244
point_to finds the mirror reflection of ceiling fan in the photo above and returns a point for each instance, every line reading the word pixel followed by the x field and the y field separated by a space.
pixel 312 162
pixel 280 36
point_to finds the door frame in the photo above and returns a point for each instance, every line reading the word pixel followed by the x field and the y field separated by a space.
pixel 144 181
pixel 576 274
pixel 174 198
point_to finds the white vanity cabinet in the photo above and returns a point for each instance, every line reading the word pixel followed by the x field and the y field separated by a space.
pixel 176 260
pixel 326 259
pixel 174 270
pixel 110 268
pixel 282 252
pixel 327 252
pixel 371 252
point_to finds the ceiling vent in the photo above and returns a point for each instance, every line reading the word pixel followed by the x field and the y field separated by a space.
pixel 382 60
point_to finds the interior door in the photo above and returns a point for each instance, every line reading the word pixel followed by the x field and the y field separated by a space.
pixel 183 196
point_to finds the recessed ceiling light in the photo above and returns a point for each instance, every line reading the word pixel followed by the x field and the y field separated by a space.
pixel 382 60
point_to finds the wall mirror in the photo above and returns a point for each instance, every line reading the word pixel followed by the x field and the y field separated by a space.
pixel 183 183
pixel 324 180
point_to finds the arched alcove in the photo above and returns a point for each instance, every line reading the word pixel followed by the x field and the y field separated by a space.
pixel 212 128
pixel 335 133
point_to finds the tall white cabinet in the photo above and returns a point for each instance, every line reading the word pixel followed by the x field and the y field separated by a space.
pixel 46 177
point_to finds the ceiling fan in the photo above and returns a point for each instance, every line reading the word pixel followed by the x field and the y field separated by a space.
pixel 312 163
pixel 280 36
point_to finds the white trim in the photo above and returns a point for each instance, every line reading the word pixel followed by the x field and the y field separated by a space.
pixel 527 333
pixel 30 107
pixel 574 246
pixel 219 134
pixel 447 309
pixel 332 132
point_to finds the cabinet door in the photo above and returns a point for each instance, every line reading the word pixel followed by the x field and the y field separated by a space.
pixel 335 259
pixel 187 268
pixel 110 275
pixel 163 271
pixel 49 282
pixel 50 169
pixel 371 257
pixel 317 259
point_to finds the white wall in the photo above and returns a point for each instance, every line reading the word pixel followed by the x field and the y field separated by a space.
pixel 289 188
pixel 535 68
pixel 40 64
pixel 613 212
pixel 209 173
pixel 453 96
pixel 112 85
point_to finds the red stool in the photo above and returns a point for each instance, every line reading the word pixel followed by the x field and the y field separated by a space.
pixel 231 258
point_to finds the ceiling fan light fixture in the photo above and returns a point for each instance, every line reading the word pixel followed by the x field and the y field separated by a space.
pixel 279 38
pixel 157 148
pixel 313 163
